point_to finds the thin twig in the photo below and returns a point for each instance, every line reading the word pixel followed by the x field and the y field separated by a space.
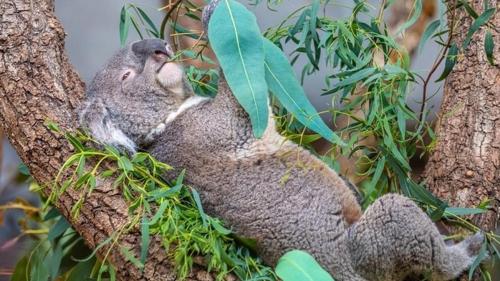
pixel 164 22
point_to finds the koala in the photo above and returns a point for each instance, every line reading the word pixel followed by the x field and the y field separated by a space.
pixel 269 189
pixel 143 68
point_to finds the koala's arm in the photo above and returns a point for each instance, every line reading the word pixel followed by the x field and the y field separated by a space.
pixel 95 117
pixel 394 238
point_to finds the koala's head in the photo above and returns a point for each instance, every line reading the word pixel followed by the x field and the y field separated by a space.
pixel 138 88
pixel 142 67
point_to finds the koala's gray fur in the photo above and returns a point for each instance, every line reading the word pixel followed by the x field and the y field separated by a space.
pixel 269 189
pixel 114 106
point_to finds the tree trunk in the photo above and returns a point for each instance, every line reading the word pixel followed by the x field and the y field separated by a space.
pixel 37 84
pixel 464 168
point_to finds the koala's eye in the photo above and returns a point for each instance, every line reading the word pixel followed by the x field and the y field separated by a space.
pixel 126 75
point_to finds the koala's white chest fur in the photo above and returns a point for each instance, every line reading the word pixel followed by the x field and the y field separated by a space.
pixel 170 76
pixel 190 102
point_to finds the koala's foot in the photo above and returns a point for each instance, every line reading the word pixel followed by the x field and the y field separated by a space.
pixel 473 243
pixel 395 239
pixel 459 257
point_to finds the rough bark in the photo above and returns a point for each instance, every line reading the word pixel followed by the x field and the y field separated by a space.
pixel 38 84
pixel 464 168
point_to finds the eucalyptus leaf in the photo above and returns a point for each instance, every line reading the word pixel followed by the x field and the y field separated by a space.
pixel 178 28
pixel 314 15
pixel 463 211
pixel 82 271
pixel 300 266
pixel 154 31
pixel 429 31
pixel 219 227
pixel 451 59
pixel 376 175
pixel 481 20
pixel 130 256
pixel 23 169
pixel 51 214
pixel 58 229
pixel 124 25
pixel 282 83
pixel 92 255
pixel 39 269
pixel 354 78
pixel 21 270
pixel 159 213
pixel 417 11
pixel 438 213
pixel 125 164
pixel 197 200
pixel 468 8
pixel 236 41
pixel 145 239
pixel 53 260
pixel 489 46
pixel 135 24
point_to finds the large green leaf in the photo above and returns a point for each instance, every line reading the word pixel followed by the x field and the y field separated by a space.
pixel 300 266
pixel 283 84
pixel 236 40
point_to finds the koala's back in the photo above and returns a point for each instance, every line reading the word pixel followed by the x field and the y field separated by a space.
pixel 269 189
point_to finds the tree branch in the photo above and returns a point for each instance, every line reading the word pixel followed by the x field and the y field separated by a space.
pixel 38 84
pixel 464 167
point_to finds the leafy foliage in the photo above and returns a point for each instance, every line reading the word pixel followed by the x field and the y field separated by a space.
pixel 282 83
pixel 55 243
pixel 170 210
pixel 237 42
pixel 351 47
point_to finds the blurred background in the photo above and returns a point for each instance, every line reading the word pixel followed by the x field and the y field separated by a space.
pixel 92 37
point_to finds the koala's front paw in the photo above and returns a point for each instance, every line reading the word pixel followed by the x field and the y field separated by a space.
pixel 155 132
pixel 470 246
pixel 473 243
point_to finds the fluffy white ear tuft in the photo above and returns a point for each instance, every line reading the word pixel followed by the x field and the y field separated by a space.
pixel 95 117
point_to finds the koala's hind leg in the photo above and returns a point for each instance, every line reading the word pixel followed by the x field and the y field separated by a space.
pixel 395 238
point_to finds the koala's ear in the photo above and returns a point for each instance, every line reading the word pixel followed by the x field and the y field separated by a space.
pixel 95 117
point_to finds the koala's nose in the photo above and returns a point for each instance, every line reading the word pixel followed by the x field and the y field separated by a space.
pixel 149 47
